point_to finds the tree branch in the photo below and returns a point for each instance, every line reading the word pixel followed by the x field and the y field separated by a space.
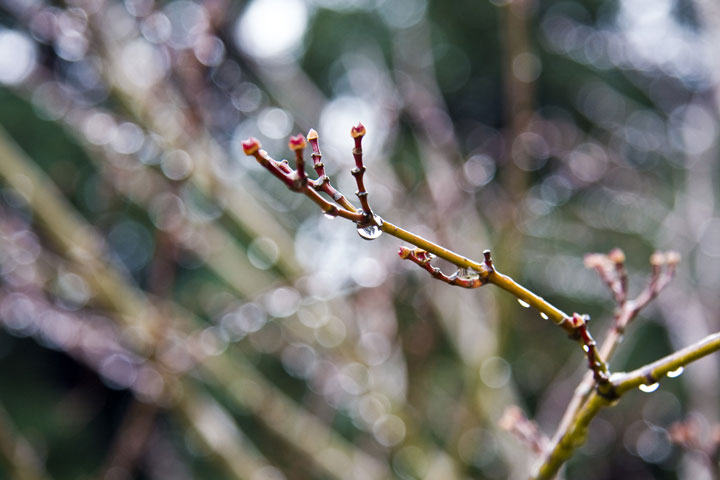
pixel 619 384
pixel 612 272
pixel 364 219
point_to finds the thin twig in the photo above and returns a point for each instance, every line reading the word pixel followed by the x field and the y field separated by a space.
pixel 461 278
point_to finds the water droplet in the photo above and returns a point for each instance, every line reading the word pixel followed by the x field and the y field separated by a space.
pixel 649 388
pixel 543 316
pixel 330 214
pixel 676 373
pixel 467 274
pixel 586 348
pixel 371 232
pixel 523 303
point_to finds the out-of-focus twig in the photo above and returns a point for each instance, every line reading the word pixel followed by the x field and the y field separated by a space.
pixel 515 422
pixel 16 452
pixel 69 231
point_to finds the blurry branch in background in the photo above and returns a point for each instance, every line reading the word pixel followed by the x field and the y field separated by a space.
pixel 600 388
pixel 16 452
pixel 698 439
pixel 515 422
pixel 144 186
pixel 147 331
pixel 163 110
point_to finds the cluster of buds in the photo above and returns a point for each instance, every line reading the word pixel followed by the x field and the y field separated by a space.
pixel 297 180
pixel 611 269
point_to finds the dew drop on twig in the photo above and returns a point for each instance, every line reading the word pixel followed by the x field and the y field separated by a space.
pixel 330 215
pixel 676 373
pixel 649 388
pixel 523 303
pixel 371 232
pixel 544 316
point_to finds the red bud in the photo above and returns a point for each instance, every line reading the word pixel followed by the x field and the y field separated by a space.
pixel 251 145
pixel 297 142
pixel 358 131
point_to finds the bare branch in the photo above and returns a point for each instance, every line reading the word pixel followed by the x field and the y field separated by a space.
pixel 619 384
pixel 515 422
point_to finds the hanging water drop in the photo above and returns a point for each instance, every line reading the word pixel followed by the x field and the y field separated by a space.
pixel 676 373
pixel 330 215
pixel 586 348
pixel 371 232
pixel 523 303
pixel 649 388
pixel 543 316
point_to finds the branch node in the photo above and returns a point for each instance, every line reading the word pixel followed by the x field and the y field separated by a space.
pixel 488 261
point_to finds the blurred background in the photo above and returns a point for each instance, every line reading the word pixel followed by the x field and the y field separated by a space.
pixel 170 310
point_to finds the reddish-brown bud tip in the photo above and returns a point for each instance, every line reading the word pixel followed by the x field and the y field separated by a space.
pixel 251 145
pixel 358 131
pixel 297 142
pixel 312 135
pixel 578 320
pixel 404 252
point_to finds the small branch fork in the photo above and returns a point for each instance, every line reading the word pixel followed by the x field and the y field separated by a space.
pixel 571 437
pixel 297 180
pixel 611 270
